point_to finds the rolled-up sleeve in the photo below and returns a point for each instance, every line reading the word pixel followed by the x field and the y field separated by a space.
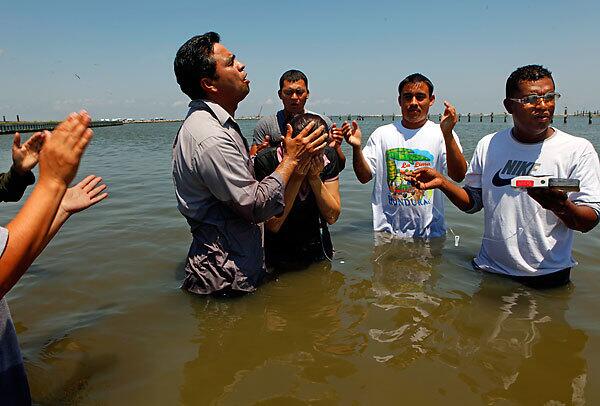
pixel 227 175
pixel 13 185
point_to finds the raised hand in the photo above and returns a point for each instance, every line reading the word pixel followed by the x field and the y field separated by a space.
pixel 352 134
pixel 63 148
pixel 336 136
pixel 449 119
pixel 425 178
pixel 304 144
pixel 83 195
pixel 256 148
pixel 25 157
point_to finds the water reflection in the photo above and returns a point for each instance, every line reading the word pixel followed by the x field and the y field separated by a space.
pixel 520 347
pixel 304 340
pixel 503 341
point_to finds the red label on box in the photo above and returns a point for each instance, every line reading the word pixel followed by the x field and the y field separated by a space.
pixel 524 183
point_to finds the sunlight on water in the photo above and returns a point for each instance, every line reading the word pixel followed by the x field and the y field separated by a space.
pixel 101 320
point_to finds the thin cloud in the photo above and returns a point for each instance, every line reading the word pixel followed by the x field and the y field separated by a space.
pixel 327 102
pixel 179 103
pixel 2 51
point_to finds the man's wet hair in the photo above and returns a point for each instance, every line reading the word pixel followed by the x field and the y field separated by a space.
pixel 195 61
pixel 527 73
pixel 302 120
pixel 416 78
pixel 292 75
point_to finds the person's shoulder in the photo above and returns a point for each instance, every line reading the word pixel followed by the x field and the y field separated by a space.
pixel 573 141
pixel 432 125
pixel 327 120
pixel 265 124
pixel 497 136
pixel 201 125
pixel 266 120
pixel 432 128
pixel 386 129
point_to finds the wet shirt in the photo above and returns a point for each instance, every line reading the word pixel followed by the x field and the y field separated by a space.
pixel 398 207
pixel 14 389
pixel 303 238
pixel 520 238
pixel 222 201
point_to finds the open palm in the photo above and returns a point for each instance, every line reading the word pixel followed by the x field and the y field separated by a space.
pixel 26 156
pixel 352 134
pixel 83 195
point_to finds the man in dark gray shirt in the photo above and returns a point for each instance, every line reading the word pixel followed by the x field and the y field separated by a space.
pixel 293 92
pixel 215 186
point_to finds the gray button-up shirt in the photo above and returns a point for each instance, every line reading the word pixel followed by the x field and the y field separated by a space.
pixel 222 201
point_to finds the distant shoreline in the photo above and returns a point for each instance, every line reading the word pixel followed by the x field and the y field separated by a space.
pixel 10 127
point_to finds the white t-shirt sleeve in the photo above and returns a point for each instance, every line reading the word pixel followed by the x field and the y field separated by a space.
pixel 475 169
pixel 587 170
pixel 371 152
pixel 3 239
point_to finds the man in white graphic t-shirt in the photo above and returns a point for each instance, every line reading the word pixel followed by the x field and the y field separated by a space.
pixel 399 148
pixel 528 235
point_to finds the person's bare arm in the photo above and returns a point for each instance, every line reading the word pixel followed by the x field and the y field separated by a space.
pixel 291 191
pixel 576 217
pixel 77 198
pixel 59 160
pixel 336 138
pixel 429 178
pixel 455 160
pixel 326 194
pixel 353 136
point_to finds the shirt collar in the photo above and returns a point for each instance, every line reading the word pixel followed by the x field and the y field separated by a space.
pixel 219 112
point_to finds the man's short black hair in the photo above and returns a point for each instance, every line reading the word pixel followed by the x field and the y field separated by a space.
pixel 293 75
pixel 302 120
pixel 416 78
pixel 195 61
pixel 527 73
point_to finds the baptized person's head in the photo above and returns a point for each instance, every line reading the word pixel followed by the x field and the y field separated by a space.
pixel 302 120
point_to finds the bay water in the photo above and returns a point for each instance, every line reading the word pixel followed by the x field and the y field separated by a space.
pixel 101 318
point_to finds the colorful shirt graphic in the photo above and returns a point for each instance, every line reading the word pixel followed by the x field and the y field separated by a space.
pixel 399 208
pixel 406 160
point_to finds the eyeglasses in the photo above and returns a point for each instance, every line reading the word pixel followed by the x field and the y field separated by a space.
pixel 290 92
pixel 535 99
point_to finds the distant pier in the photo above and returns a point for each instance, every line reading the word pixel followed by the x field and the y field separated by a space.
pixel 33 126
pixel 592 116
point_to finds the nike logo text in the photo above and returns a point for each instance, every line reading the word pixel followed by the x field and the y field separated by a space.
pixel 513 168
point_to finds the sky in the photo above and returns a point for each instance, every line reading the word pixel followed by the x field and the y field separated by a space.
pixel 115 59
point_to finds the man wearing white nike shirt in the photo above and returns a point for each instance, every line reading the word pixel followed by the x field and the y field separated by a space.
pixel 527 235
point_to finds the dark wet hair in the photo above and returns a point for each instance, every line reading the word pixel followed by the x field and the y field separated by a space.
pixel 416 78
pixel 195 61
pixel 293 75
pixel 527 73
pixel 301 120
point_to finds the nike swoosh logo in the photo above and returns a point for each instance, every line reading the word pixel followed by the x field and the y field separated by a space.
pixel 498 181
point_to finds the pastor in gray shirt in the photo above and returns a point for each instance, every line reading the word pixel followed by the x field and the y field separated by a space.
pixel 222 201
